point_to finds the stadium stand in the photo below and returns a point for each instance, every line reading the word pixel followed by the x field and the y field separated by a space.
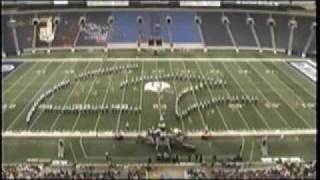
pixel 262 29
pixel 313 46
pixel 67 29
pixel 240 29
pixel 180 22
pixel 121 33
pixel 24 30
pixel 281 30
pixel 154 26
pixel 214 31
pixel 301 34
pixel 7 36
pixel 278 171
pixel 95 31
pixel 211 32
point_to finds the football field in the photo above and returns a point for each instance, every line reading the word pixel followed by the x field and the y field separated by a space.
pixel 286 101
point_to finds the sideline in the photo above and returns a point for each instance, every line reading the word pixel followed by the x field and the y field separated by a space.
pixel 241 59
pixel 229 133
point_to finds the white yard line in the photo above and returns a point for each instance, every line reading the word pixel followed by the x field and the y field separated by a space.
pixel 19 79
pixel 271 86
pixel 82 148
pixel 4 90
pixel 210 92
pixel 49 100
pixel 303 87
pixel 21 92
pixel 255 108
pixel 141 95
pixel 158 95
pixel 84 152
pixel 176 94
pixel 13 72
pixel 104 99
pixel 67 100
pixel 240 114
pixel 196 100
pixel 73 154
pixel 280 80
pixel 260 91
pixel 93 134
pixel 243 143
pixel 122 99
pixel 85 101
pixel 252 150
pixel 35 77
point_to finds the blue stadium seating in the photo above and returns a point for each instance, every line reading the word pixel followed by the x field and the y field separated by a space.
pixel 184 29
pixel 125 27
pixel 154 26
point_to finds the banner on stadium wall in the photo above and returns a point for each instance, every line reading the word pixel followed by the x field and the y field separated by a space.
pixel 154 2
pixel 272 3
pixel 283 159
pixel 60 2
pixel 99 3
pixel 200 3
pixel 59 163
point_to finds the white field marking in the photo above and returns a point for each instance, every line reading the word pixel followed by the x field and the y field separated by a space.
pixel 82 148
pixel 73 155
pixel 85 101
pixel 240 114
pixel 271 86
pixel 252 150
pixel 11 74
pixel 19 79
pixel 85 154
pixel 141 95
pixel 210 92
pixel 275 110
pixel 196 100
pixel 158 94
pixel 307 91
pixel 49 100
pixel 255 108
pixel 293 94
pixel 93 134
pixel 175 90
pixel 122 99
pixel 240 59
pixel 243 142
pixel 106 93
pixel 284 84
pixel 24 108
pixel 24 89
pixel 39 115
pixel 68 99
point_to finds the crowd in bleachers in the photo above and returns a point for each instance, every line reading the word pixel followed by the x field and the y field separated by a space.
pixel 279 171
pixel 46 172
pixel 195 174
